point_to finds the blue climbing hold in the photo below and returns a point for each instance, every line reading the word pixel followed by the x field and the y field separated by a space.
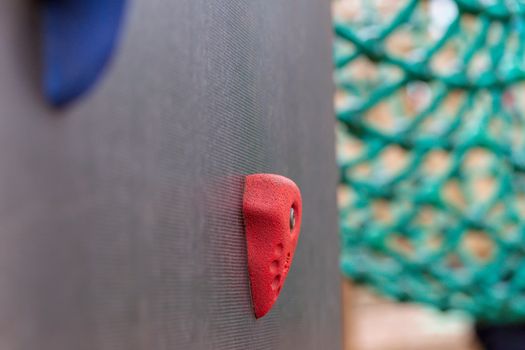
pixel 78 39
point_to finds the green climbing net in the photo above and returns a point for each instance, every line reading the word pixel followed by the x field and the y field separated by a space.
pixel 430 106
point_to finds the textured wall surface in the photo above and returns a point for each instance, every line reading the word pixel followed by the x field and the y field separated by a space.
pixel 120 221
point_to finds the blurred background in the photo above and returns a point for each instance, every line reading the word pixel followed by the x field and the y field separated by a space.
pixel 430 142
pixel 373 322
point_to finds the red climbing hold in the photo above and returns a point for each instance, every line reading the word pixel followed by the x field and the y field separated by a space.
pixel 272 220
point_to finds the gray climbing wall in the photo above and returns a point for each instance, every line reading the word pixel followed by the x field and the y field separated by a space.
pixel 120 222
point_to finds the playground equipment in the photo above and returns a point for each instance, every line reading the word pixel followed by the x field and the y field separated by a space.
pixel 431 136
pixel 121 215
pixel 78 38
pixel 272 211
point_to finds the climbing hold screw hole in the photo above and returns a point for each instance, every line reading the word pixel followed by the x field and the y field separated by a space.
pixel 292 218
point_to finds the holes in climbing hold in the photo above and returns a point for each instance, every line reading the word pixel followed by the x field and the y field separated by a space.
pixel 276 282
pixel 287 261
pixel 279 250
pixel 274 266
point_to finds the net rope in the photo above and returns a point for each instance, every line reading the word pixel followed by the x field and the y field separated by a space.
pixel 430 106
